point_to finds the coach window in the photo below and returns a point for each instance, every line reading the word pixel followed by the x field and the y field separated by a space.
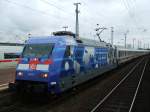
pixel 119 53
pixel 11 55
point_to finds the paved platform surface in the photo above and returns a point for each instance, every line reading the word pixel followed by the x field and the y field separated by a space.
pixel 7 65
pixel 7 75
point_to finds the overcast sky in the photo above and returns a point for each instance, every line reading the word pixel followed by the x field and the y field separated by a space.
pixel 18 18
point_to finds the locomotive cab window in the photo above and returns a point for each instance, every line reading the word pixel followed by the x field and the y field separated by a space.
pixel 38 50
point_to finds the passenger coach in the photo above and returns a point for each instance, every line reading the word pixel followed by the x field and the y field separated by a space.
pixel 9 53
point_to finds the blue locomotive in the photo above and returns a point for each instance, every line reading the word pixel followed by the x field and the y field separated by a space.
pixel 59 62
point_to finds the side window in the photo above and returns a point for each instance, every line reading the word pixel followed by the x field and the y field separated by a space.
pixel 67 52
pixel 79 52
pixel 11 55
pixel 119 53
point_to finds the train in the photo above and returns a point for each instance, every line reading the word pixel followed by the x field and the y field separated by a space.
pixel 59 62
pixel 9 53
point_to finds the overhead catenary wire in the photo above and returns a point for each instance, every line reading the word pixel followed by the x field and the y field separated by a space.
pixel 44 13
pixel 131 4
pixel 32 9
pixel 27 7
pixel 60 9
pixel 128 6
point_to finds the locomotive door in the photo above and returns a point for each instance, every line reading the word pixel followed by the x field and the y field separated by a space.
pixel 78 62
pixel 67 68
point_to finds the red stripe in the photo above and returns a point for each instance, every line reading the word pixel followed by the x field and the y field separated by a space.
pixel 8 60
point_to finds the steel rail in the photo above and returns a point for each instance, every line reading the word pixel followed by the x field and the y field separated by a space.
pixel 137 88
pixel 102 101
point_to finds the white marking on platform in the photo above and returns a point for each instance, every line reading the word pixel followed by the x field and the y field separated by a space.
pixel 3 86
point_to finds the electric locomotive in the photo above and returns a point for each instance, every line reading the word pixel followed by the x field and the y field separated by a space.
pixel 59 62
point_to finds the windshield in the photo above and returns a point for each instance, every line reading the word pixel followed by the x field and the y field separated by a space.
pixel 37 50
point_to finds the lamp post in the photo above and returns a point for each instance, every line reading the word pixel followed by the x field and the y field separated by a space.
pixel 77 19
pixel 125 38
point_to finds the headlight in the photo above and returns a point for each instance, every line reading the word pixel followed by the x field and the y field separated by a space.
pixel 20 74
pixel 45 75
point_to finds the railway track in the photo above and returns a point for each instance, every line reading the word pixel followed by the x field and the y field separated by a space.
pixel 7 104
pixel 122 97
pixel 142 101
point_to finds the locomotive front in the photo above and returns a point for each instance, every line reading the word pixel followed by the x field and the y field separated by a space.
pixel 34 69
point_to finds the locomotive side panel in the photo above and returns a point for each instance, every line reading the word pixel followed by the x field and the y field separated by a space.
pixel 86 62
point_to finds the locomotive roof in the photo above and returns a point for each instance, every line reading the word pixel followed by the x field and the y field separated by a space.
pixel 52 39
pixel 65 40
pixel 94 42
